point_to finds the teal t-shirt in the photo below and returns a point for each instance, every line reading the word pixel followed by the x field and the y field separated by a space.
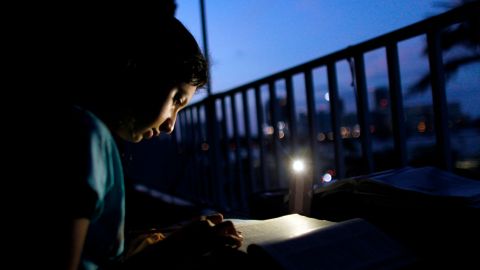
pixel 98 172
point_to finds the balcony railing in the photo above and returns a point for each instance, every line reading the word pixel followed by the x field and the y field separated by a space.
pixel 239 143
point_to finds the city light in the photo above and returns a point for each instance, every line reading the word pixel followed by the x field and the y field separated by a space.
pixel 327 177
pixel 298 165
pixel 327 96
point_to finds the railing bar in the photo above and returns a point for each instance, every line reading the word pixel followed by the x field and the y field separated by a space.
pixel 363 112
pixel 209 160
pixel 312 127
pixel 176 146
pixel 205 183
pixel 181 125
pixel 191 161
pixel 292 127
pixel 335 118
pixel 248 141
pixel 178 131
pixel 277 177
pixel 192 157
pixel 440 107
pixel 292 118
pixel 239 178
pixel 396 100
pixel 196 183
pixel 227 167
pixel 186 144
pixel 261 140
pixel 214 150
pixel 181 121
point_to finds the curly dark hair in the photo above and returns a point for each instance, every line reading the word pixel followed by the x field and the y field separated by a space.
pixel 130 59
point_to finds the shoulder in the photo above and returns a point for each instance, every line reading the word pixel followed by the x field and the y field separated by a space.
pixel 86 122
pixel 87 128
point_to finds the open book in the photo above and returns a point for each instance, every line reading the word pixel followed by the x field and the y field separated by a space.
pixel 299 242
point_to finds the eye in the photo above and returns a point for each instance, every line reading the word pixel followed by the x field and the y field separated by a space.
pixel 178 100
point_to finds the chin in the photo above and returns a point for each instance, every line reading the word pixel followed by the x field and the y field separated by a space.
pixel 136 139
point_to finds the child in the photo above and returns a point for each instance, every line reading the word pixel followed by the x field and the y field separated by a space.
pixel 130 73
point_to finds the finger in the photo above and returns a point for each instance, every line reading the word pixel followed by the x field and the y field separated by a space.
pixel 215 218
pixel 226 228
pixel 230 240
pixel 205 220
pixel 154 238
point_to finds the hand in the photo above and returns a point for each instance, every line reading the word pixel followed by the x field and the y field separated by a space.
pixel 206 234
pixel 140 242
pixel 186 245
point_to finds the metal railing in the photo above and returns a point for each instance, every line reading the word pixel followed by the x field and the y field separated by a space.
pixel 239 142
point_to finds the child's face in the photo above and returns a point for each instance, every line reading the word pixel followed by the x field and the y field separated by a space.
pixel 177 98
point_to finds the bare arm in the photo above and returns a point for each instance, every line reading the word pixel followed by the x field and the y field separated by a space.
pixel 188 244
pixel 79 228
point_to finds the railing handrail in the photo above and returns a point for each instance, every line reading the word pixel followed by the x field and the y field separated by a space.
pixel 452 16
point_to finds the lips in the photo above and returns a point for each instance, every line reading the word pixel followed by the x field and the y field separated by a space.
pixel 149 134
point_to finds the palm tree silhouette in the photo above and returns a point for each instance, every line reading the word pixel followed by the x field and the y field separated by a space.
pixel 466 35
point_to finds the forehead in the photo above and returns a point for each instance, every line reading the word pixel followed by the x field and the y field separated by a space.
pixel 186 88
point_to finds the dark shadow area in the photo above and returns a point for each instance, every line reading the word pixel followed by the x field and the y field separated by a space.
pixel 265 205
pixel 442 231
pixel 144 211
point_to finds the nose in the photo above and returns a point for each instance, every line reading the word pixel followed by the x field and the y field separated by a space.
pixel 168 125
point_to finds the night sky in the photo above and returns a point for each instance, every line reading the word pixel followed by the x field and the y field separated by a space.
pixel 250 39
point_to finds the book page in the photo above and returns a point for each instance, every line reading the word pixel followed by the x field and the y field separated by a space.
pixel 276 229
pixel 351 244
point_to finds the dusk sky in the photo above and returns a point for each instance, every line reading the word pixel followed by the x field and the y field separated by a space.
pixel 250 39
